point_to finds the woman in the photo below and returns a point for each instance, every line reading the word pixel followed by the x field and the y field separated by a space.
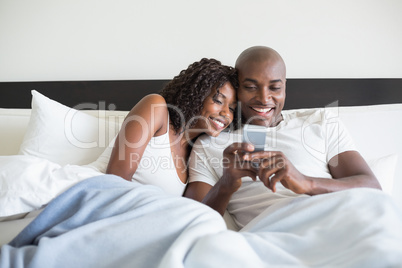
pixel 155 140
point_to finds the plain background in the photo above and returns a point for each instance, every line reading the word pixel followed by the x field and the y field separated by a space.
pixel 56 40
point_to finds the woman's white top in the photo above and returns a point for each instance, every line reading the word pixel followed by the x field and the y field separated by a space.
pixel 157 166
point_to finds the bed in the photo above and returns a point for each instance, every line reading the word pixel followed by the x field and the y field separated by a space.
pixel 52 140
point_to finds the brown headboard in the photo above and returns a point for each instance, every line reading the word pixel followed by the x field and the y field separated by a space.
pixel 301 93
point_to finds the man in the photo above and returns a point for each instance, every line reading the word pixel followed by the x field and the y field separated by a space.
pixel 307 153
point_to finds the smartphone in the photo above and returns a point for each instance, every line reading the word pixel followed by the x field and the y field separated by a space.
pixel 256 135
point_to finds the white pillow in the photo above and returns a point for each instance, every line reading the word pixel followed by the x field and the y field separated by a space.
pixel 384 169
pixel 64 135
pixel 101 163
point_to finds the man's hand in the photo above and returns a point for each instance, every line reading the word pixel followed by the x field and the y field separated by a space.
pixel 235 167
pixel 275 167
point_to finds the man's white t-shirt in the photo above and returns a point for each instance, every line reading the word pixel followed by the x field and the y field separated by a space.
pixel 309 138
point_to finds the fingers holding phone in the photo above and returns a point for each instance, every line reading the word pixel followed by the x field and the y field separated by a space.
pixel 234 166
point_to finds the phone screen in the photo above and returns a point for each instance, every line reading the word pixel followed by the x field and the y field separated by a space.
pixel 256 135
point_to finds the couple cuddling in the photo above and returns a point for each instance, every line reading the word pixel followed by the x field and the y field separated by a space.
pixel 206 98
pixel 279 206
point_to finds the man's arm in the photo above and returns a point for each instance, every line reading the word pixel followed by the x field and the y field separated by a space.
pixel 211 196
pixel 234 168
pixel 348 169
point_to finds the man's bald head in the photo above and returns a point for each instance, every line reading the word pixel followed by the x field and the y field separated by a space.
pixel 262 86
pixel 259 54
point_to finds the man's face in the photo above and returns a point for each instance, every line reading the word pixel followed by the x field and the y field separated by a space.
pixel 262 92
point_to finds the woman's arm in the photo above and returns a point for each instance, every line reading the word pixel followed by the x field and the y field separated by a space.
pixel 146 119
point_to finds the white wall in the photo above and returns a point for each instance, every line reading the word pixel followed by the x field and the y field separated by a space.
pixel 155 39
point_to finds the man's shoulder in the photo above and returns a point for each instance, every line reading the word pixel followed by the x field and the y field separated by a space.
pixel 311 114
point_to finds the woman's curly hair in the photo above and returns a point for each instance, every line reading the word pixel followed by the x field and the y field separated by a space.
pixel 187 91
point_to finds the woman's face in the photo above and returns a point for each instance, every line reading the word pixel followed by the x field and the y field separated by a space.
pixel 217 111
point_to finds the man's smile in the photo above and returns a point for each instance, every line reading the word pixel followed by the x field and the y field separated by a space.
pixel 263 111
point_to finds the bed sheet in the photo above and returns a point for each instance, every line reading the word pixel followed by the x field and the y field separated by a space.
pixel 10 228
pixel 105 221
pixel 28 183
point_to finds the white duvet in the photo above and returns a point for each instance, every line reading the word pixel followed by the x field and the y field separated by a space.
pixel 29 182
pixel 108 222
pixel 353 228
